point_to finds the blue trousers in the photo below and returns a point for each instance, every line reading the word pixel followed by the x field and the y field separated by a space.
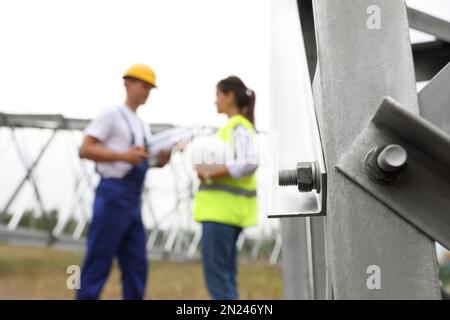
pixel 219 257
pixel 116 230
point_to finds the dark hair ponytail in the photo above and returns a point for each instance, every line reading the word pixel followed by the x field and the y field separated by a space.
pixel 245 98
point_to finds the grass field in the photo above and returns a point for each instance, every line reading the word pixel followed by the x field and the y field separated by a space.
pixel 40 273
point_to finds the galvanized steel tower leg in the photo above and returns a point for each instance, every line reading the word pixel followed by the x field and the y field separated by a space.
pixel 364 54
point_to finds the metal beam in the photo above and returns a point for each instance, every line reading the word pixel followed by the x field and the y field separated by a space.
pixel 430 58
pixel 2 120
pixel 32 180
pixel 55 121
pixel 29 171
pixel 434 100
pixel 358 65
pixel 41 121
pixel 305 8
pixel 76 124
pixel 419 192
pixel 426 23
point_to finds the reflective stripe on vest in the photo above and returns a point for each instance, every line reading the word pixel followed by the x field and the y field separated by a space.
pixel 233 190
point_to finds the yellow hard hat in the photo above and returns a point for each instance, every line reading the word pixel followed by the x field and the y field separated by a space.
pixel 141 72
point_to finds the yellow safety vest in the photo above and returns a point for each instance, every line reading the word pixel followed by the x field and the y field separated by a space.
pixel 228 200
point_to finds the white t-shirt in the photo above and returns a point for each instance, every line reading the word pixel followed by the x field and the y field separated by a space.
pixel 112 130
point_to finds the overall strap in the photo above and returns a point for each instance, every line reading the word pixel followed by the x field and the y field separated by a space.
pixel 127 121
pixel 130 128
pixel 146 144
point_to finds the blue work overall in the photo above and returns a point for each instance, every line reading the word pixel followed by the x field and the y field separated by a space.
pixel 117 229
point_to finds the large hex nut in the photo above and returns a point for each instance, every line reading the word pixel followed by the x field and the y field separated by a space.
pixel 305 177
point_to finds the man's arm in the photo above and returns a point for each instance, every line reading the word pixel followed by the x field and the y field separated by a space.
pixel 243 164
pixel 92 149
pixel 163 157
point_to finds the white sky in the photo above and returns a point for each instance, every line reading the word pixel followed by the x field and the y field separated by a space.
pixel 437 8
pixel 68 56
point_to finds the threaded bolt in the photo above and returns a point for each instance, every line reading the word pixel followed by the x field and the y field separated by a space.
pixel 304 177
pixel 287 178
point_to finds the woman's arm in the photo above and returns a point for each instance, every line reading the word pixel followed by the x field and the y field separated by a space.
pixel 243 164
pixel 220 171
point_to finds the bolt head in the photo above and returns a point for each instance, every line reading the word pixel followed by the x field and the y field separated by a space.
pixel 383 174
pixel 393 158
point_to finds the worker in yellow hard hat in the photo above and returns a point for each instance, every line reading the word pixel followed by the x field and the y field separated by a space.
pixel 119 142
pixel 141 72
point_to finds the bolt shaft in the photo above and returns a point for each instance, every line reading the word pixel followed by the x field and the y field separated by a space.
pixel 287 178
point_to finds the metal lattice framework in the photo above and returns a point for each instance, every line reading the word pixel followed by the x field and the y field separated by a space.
pixel 56 188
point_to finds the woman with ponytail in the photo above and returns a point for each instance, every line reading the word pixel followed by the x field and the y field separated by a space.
pixel 226 200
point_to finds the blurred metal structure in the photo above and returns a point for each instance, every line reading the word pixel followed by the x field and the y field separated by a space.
pixel 434 100
pixel 429 57
pixel 25 199
pixel 357 53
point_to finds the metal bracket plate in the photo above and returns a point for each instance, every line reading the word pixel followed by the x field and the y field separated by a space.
pixel 311 204
pixel 421 195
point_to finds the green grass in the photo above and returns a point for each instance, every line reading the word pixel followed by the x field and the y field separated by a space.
pixel 444 275
pixel 40 273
